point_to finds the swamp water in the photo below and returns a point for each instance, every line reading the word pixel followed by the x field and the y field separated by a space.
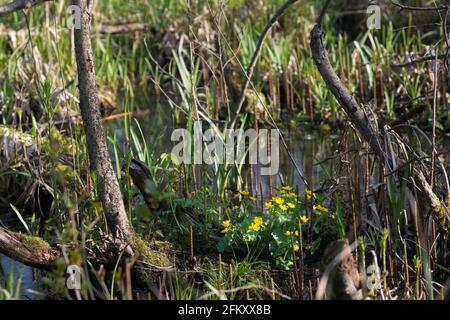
pixel 155 128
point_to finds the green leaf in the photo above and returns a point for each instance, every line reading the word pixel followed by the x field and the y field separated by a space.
pixel 16 211
pixel 223 244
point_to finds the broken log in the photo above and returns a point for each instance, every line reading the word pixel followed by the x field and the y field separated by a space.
pixel 29 250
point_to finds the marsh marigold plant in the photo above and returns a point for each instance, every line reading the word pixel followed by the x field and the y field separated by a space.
pixel 274 230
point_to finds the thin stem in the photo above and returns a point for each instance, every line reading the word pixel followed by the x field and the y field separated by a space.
pixel 248 75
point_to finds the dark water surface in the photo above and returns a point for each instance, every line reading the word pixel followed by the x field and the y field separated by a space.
pixel 308 149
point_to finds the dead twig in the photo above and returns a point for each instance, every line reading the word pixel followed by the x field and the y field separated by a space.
pixel 248 75
pixel 17 5
pixel 420 60
pixel 411 8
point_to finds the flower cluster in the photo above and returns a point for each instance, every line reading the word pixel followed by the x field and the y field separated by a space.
pixel 286 202
pixel 319 209
pixel 226 224
pixel 277 229
pixel 256 224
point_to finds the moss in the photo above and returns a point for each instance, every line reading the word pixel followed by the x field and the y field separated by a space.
pixel 440 213
pixel 39 247
pixel 161 246
pixel 147 255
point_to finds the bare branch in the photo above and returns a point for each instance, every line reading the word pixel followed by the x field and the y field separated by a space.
pixel 420 60
pixel 440 211
pixel 322 13
pixel 19 5
pixel 371 135
pixel 251 67
pixel 410 8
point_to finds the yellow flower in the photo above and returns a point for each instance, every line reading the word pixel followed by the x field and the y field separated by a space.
pixel 244 193
pixel 283 207
pixel 296 233
pixel 252 198
pixel 320 209
pixel 291 205
pixel 308 194
pixel 304 219
pixel 269 205
pixel 258 221
pixel 226 223
pixel 278 200
pixel 287 233
pixel 287 188
pixel 256 224
pixel 296 247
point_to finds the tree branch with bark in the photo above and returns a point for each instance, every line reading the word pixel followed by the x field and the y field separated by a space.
pixel 17 5
pixel 32 251
pixel 36 252
pixel 110 195
pixel 375 138
pixel 125 238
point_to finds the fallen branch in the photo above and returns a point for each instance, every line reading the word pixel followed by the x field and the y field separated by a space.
pixel 19 5
pixel 32 251
pixel 354 110
pixel 120 28
pixel 370 132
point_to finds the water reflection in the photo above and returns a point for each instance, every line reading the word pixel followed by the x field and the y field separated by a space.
pixel 19 278
pixel 306 148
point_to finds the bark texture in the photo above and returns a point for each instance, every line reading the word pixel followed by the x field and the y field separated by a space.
pixel 100 160
pixel 347 101
pixel 29 250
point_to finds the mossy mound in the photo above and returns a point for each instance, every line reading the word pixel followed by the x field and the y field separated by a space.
pixel 39 247
pixel 147 255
